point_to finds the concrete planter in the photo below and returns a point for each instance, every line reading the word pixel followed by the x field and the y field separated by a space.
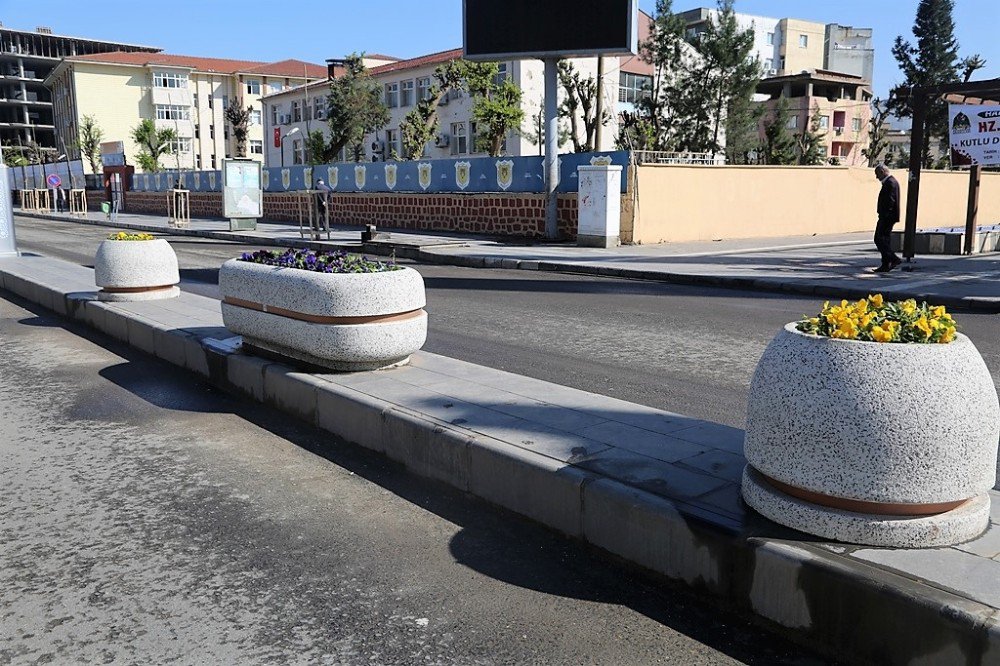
pixel 142 270
pixel 869 443
pixel 347 322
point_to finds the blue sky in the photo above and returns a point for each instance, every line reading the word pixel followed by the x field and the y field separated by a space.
pixel 314 31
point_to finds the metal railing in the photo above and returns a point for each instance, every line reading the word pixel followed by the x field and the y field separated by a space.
pixel 663 157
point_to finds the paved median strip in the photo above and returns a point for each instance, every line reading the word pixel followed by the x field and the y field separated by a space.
pixel 658 490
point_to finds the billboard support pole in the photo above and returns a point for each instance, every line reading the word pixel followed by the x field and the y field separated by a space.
pixel 972 212
pixel 8 242
pixel 551 148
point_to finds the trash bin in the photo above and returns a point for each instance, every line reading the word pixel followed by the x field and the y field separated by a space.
pixel 106 208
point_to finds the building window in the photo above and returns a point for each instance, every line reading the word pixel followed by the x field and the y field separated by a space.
pixel 275 86
pixel 253 86
pixel 298 152
pixel 406 93
pixel 319 108
pixel 459 139
pixel 255 118
pixel 768 65
pixel 307 111
pixel 793 122
pixel 211 133
pixel 256 147
pixel 213 160
pixel 770 39
pixel 296 112
pixel 274 115
pixel 197 131
pixel 170 80
pixel 392 95
pixel 194 99
pixel 392 148
pixel 225 102
pixel 856 124
pixel 172 112
pixel 197 161
pixel 803 41
pixel 423 88
pixel 225 132
pixel 824 122
pixel 782 61
pixel 633 87
pixel 502 73
pixel 180 145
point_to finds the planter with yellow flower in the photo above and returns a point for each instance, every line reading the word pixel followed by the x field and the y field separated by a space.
pixel 874 423
pixel 135 267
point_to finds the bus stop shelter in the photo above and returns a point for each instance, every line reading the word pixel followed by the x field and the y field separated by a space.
pixel 971 92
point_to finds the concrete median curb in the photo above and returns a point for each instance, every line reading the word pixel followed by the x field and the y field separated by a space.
pixel 808 591
pixel 805 286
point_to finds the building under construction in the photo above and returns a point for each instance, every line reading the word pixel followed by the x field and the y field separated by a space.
pixel 26 58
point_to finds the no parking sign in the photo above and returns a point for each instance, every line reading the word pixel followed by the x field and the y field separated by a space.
pixel 54 181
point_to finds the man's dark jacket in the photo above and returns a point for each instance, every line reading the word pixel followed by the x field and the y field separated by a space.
pixel 888 201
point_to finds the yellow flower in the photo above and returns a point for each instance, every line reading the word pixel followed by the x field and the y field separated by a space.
pixel 938 311
pixel 846 329
pixel 949 334
pixel 922 325
pixel 880 334
pixel 909 307
pixel 876 300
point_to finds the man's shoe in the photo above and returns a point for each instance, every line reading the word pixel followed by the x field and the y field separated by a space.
pixel 896 261
pixel 882 269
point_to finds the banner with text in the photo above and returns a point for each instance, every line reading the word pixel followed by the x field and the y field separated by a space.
pixel 975 134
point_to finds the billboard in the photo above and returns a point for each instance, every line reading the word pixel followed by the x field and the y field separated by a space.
pixel 241 189
pixel 975 134
pixel 506 29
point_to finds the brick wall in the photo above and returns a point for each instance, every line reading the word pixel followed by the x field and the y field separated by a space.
pixel 494 214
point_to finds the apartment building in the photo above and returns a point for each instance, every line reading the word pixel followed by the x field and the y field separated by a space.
pixel 291 114
pixel 185 93
pixel 788 46
pixel 841 101
pixel 26 59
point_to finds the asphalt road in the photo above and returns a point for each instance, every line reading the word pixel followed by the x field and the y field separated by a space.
pixel 690 350
pixel 147 518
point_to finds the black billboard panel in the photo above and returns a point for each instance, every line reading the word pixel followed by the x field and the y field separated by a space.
pixel 504 29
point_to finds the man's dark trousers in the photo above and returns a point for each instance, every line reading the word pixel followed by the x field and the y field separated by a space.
pixel 883 241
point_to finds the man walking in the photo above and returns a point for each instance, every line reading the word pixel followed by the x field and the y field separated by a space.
pixel 888 215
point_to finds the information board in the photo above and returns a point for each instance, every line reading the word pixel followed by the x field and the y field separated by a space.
pixel 975 134
pixel 242 196
pixel 495 30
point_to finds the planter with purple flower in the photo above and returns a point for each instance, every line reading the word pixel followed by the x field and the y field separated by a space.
pixel 335 310
pixel 135 267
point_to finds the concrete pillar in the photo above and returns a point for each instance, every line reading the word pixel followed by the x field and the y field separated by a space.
pixel 599 205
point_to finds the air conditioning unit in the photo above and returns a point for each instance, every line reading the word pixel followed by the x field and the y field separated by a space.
pixel 442 140
pixel 285 118
pixel 838 130
pixel 378 146
pixel 772 72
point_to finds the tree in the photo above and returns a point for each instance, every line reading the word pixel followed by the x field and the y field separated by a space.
pixel 809 142
pixel 580 104
pixel 933 61
pixel 317 148
pixel 655 119
pixel 535 133
pixel 496 105
pixel 421 124
pixel 89 142
pixel 779 145
pixel 238 118
pixel 724 82
pixel 355 107
pixel 877 132
pixel 152 144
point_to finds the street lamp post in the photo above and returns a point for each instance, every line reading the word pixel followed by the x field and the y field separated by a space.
pixel 294 130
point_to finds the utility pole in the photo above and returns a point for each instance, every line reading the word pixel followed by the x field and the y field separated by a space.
pixel 551 148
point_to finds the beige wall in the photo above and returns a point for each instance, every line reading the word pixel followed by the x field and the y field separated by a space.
pixel 796 57
pixel 116 97
pixel 685 203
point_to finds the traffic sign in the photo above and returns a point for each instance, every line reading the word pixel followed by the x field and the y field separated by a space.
pixel 54 180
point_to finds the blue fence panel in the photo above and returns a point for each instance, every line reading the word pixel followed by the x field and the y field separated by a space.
pixel 34 176
pixel 469 175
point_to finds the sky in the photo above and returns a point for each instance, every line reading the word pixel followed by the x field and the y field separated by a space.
pixel 315 31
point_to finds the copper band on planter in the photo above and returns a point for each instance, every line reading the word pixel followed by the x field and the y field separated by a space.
pixel 135 290
pixel 318 319
pixel 861 506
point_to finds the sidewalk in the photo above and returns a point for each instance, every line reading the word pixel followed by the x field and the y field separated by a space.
pixel 836 266
pixel 656 489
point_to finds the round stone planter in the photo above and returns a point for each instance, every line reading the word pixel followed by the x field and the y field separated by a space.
pixel 345 322
pixel 890 445
pixel 136 270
